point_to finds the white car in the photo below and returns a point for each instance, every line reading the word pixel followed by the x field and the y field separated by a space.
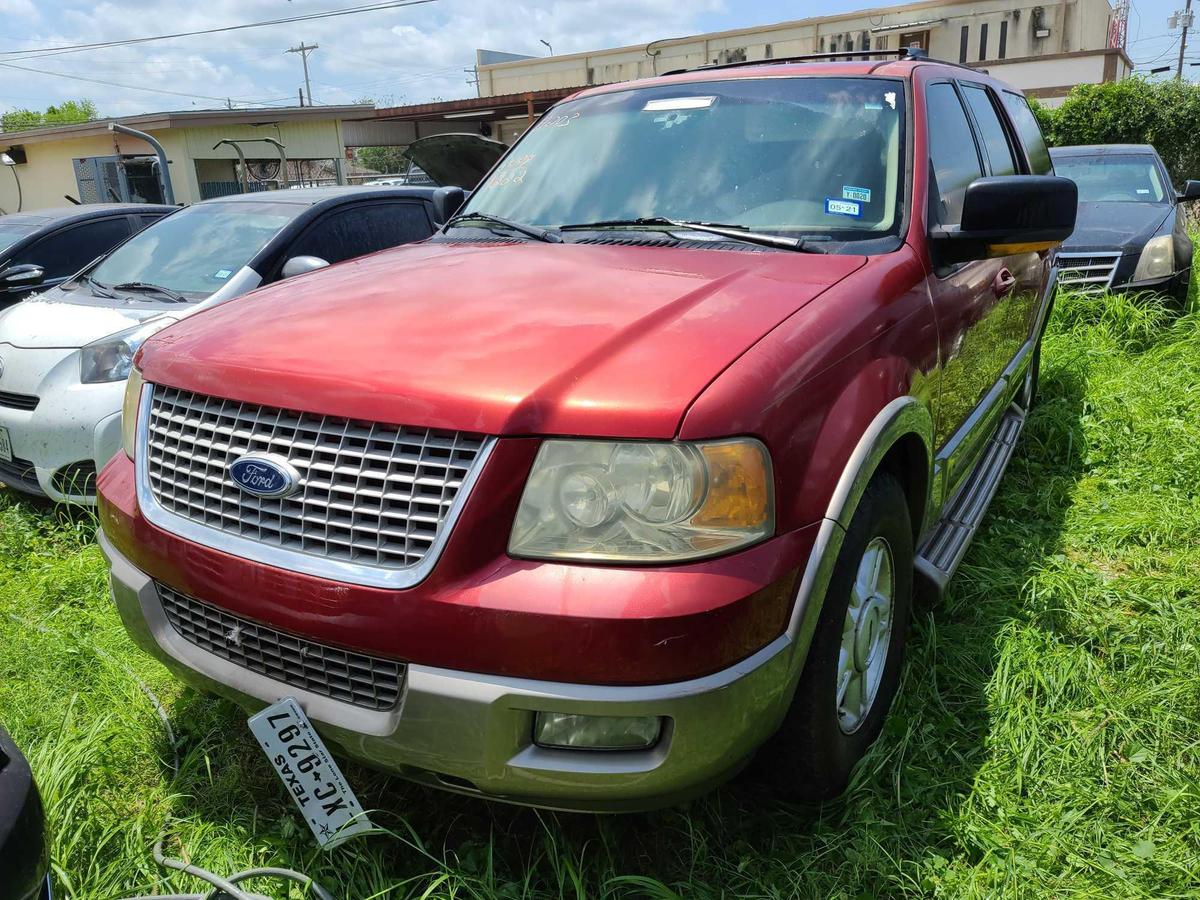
pixel 65 353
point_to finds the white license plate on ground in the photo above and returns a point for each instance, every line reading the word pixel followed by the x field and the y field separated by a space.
pixel 309 773
pixel 5 446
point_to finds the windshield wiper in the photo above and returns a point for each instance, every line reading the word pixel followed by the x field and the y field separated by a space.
pixel 533 231
pixel 733 232
pixel 147 287
pixel 100 288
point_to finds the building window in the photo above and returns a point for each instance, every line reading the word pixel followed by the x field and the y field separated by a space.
pixel 767 52
pixel 821 46
pixel 864 43
pixel 881 42
pixel 983 42
pixel 1003 40
pixel 962 43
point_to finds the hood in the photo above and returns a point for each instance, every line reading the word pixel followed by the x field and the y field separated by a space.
pixel 455 159
pixel 1116 226
pixel 70 319
pixel 515 338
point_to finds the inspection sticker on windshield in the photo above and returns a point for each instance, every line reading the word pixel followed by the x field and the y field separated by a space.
pixel 834 207
pixel 222 273
pixel 856 193
pixel 678 103
pixel 309 773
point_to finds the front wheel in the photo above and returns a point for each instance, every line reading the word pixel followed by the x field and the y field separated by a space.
pixel 857 652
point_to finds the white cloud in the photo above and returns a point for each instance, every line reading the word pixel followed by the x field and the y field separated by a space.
pixel 403 56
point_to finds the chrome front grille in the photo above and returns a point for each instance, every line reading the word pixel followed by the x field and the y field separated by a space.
pixel 1088 273
pixel 372 498
pixel 366 681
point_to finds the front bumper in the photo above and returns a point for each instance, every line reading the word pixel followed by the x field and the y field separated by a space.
pixel 472 733
pixel 74 430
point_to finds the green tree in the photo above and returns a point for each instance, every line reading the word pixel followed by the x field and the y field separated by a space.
pixel 386 160
pixel 66 113
pixel 1165 114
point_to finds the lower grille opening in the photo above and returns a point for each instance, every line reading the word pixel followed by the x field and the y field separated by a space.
pixel 355 678
pixel 20 473
pixel 76 480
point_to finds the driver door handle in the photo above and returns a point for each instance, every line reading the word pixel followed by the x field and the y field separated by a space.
pixel 1003 283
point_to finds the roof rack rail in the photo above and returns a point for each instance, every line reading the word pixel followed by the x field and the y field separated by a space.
pixel 902 53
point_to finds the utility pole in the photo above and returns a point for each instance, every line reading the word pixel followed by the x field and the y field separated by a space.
pixel 1184 20
pixel 305 49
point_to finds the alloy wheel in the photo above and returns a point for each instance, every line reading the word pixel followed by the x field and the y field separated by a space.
pixel 866 635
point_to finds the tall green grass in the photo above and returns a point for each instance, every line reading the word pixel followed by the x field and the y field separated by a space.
pixel 1046 741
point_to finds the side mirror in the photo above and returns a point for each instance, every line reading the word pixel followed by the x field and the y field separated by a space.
pixel 1191 190
pixel 1008 214
pixel 299 265
pixel 24 275
pixel 446 202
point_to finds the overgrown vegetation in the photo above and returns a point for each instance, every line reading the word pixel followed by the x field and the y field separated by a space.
pixel 1044 742
pixel 1132 111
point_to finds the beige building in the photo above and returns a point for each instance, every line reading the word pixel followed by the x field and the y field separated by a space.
pixel 1044 49
pixel 90 163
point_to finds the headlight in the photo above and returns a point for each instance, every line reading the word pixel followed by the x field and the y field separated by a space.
pixel 129 411
pixel 644 502
pixel 110 358
pixel 1157 259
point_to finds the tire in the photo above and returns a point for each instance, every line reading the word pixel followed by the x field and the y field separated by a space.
pixel 811 757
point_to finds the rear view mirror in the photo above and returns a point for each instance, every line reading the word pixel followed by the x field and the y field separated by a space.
pixel 1191 190
pixel 1009 214
pixel 446 202
pixel 22 276
pixel 299 265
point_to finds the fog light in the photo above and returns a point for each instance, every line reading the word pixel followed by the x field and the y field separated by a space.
pixel 596 732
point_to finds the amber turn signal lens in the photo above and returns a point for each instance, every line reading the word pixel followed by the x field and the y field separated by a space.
pixel 739 489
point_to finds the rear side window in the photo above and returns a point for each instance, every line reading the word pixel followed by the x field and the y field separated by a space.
pixel 1030 133
pixel 65 252
pixel 995 141
pixel 347 233
pixel 952 152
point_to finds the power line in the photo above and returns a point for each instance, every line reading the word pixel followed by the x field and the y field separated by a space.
pixel 38 52
pixel 131 87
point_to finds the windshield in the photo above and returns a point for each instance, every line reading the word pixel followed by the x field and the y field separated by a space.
pixel 1117 179
pixel 196 250
pixel 10 234
pixel 795 156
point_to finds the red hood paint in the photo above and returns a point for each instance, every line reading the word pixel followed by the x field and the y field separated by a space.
pixel 508 339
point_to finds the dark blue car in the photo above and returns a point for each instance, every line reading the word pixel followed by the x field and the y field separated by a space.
pixel 45 247
pixel 1130 233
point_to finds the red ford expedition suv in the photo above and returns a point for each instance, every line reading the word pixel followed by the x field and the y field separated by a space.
pixel 634 467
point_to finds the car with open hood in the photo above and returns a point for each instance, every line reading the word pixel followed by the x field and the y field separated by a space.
pixel 42 248
pixel 631 471
pixel 65 352
pixel 1131 233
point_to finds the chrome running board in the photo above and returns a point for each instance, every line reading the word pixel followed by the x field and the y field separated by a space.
pixel 938 558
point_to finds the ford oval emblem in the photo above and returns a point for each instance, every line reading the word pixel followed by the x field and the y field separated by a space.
pixel 264 475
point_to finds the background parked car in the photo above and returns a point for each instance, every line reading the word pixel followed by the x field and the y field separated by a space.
pixel 1131 232
pixel 45 247
pixel 23 852
pixel 65 354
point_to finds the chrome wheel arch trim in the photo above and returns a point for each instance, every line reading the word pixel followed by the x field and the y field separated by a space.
pixel 901 417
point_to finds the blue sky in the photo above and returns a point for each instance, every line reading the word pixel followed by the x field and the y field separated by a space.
pixel 397 56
